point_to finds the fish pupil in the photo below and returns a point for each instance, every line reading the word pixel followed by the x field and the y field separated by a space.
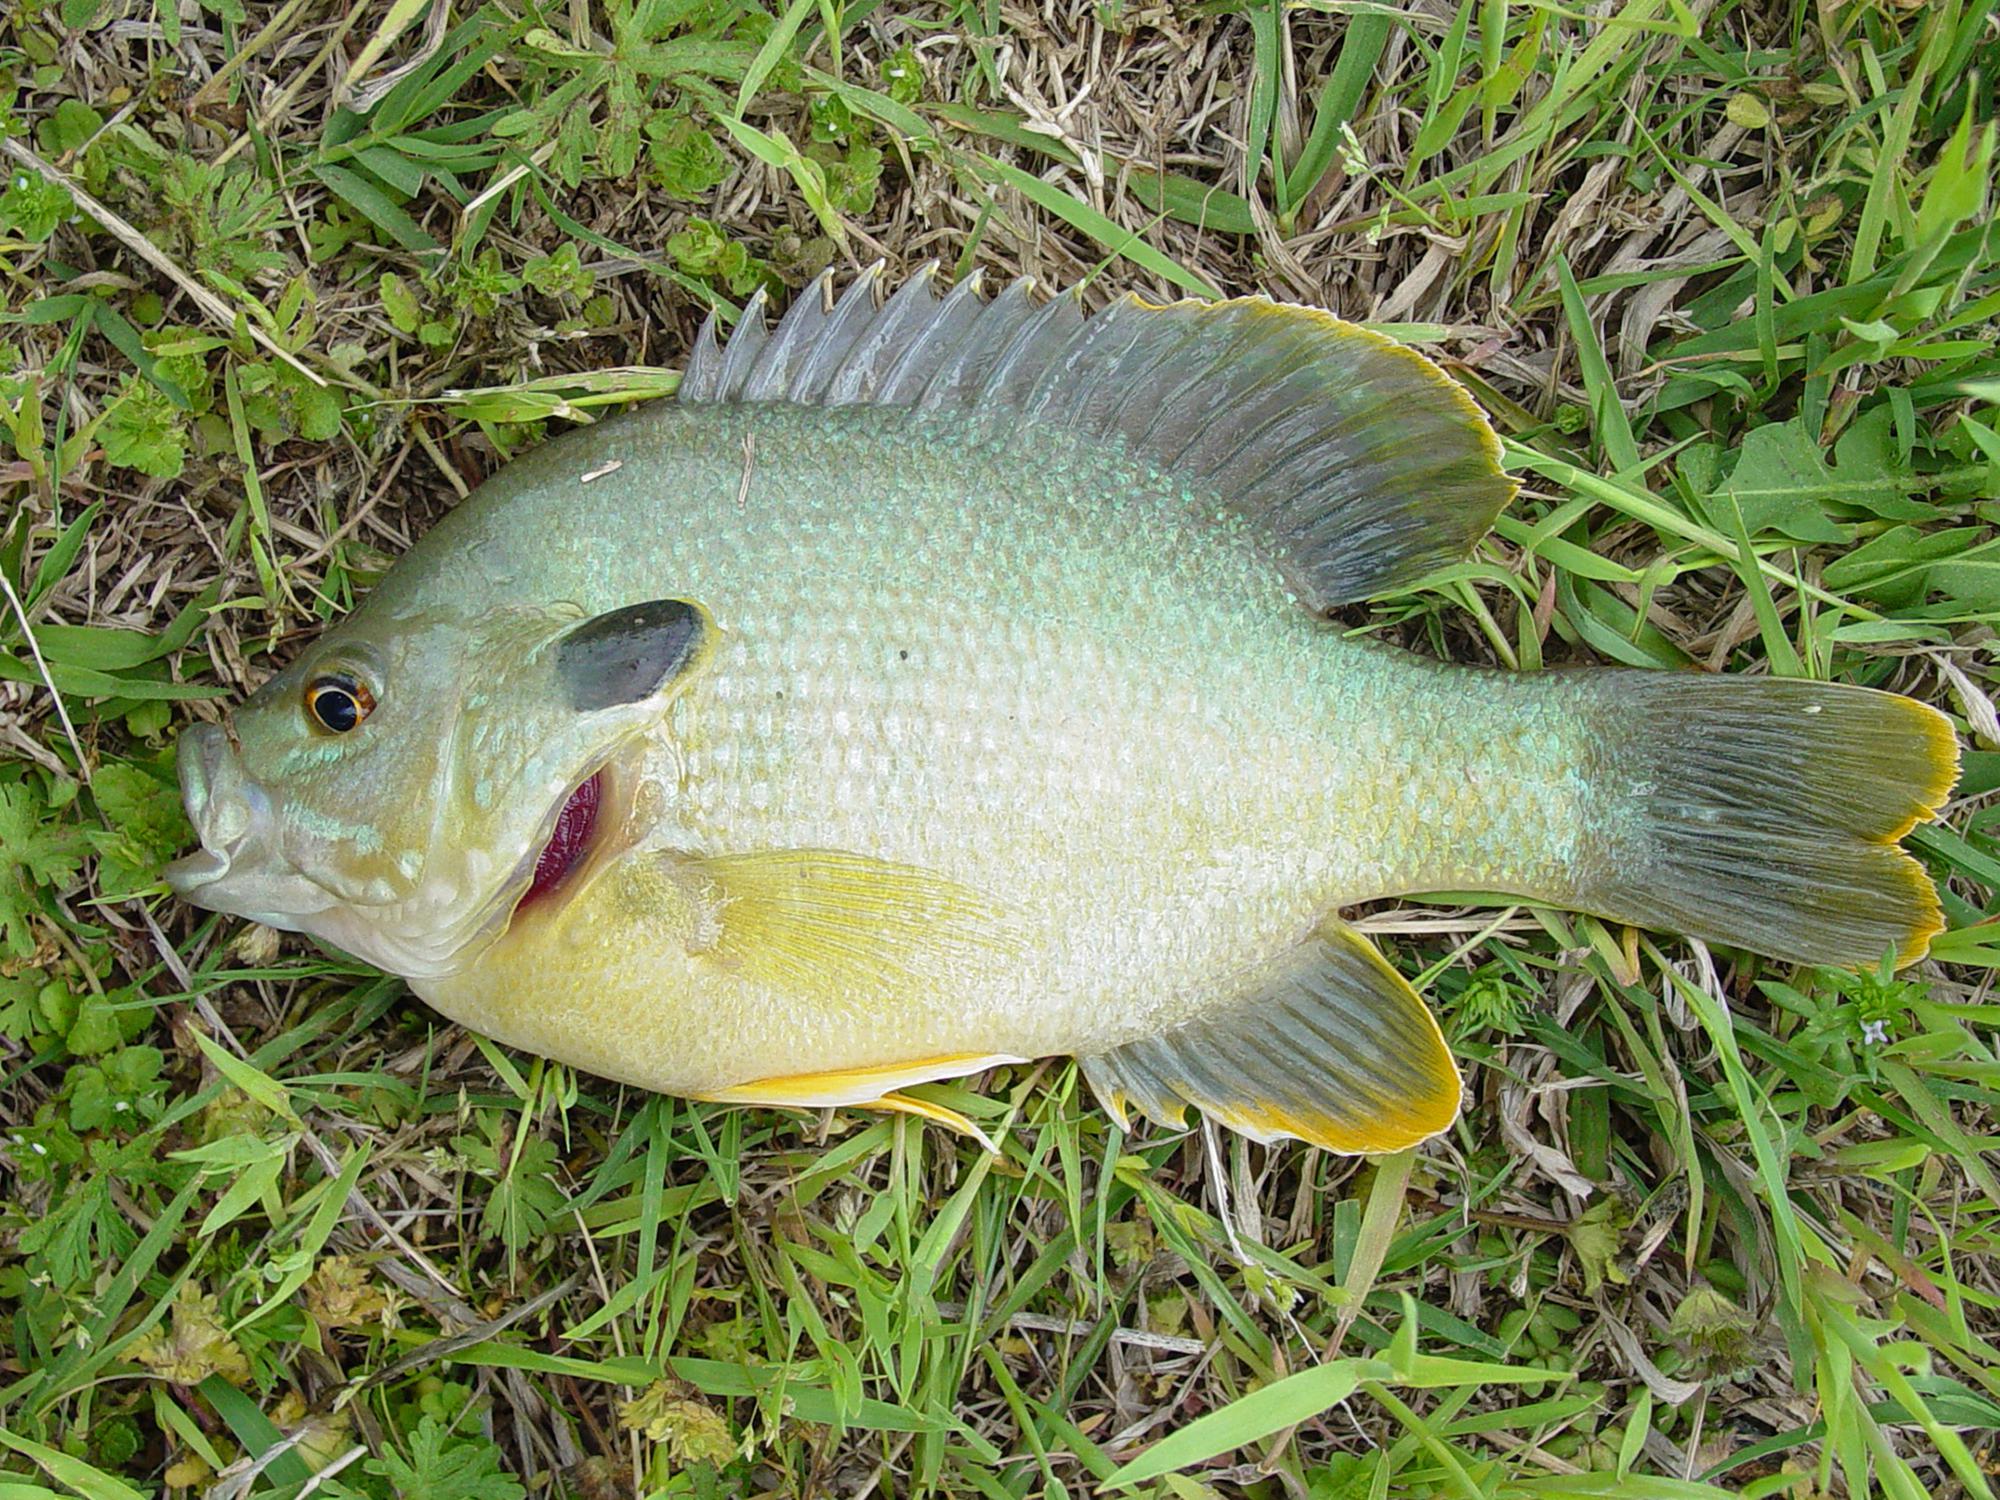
pixel 336 710
pixel 571 839
pixel 337 703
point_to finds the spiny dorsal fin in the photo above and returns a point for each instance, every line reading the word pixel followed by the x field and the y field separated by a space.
pixel 1328 1044
pixel 1361 463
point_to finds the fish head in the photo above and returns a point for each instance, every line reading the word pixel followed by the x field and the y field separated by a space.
pixel 400 788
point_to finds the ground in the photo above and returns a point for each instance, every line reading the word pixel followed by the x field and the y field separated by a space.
pixel 280 282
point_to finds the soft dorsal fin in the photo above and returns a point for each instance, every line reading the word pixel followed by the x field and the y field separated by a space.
pixel 1362 464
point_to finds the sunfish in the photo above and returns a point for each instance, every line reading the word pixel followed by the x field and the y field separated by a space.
pixel 941 682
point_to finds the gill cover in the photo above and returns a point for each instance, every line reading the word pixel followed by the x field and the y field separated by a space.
pixel 408 840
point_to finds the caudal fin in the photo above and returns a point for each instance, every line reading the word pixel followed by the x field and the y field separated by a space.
pixel 1765 813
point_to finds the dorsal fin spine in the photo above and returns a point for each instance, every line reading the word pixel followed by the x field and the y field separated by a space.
pixel 846 325
pixel 1095 408
pixel 909 306
pixel 797 330
pixel 1035 401
pixel 704 366
pixel 1020 346
pixel 739 358
pixel 901 388
pixel 949 383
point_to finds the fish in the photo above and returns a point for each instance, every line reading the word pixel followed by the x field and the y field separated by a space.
pixel 945 680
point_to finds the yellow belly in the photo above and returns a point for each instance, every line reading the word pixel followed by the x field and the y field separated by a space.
pixel 617 978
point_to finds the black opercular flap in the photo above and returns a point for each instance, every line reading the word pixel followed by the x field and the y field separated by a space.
pixel 625 655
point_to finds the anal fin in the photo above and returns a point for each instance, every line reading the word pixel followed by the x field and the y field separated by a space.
pixel 1328 1044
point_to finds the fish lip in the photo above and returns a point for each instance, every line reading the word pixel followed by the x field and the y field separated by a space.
pixel 199 757
pixel 194 872
pixel 232 817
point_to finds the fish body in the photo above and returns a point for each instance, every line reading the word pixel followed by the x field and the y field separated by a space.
pixel 1110 721
pixel 924 733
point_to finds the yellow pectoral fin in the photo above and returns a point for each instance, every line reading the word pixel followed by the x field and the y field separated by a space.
pixel 819 923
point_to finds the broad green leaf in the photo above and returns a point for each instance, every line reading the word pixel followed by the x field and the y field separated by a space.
pixel 1779 484
pixel 1902 567
pixel 376 206
pixel 89 1482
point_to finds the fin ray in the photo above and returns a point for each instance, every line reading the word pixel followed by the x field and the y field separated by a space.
pixel 855 1086
pixel 879 1087
pixel 1765 813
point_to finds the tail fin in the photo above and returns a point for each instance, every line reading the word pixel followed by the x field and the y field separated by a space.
pixel 1765 813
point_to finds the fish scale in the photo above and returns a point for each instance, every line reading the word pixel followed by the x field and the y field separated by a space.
pixel 951 681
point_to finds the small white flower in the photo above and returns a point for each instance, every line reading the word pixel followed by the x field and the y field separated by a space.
pixel 1353 160
pixel 1875 1033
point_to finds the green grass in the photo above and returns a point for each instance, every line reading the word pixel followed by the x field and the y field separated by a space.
pixel 278 281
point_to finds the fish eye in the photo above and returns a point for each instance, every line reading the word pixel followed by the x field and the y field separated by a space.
pixel 338 703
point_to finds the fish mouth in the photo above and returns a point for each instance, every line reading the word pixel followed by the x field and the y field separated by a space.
pixel 225 810
pixel 189 875
pixel 233 869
